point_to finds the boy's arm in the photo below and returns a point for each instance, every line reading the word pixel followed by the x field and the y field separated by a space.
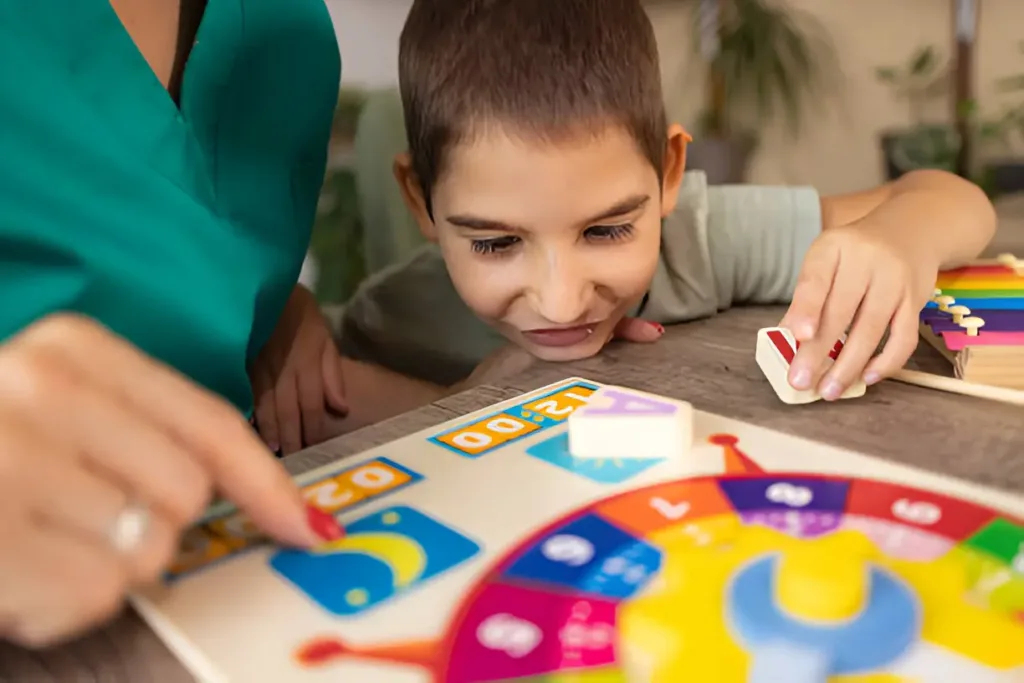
pixel 949 218
pixel 757 239
pixel 753 239
pixel 730 244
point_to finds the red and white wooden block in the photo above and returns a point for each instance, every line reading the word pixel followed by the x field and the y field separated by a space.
pixel 776 348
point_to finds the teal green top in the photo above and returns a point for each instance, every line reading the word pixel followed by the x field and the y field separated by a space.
pixel 181 229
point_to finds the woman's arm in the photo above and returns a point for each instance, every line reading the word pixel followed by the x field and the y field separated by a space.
pixel 375 393
pixel 935 211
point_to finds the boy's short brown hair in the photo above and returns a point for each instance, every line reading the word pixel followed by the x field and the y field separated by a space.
pixel 542 68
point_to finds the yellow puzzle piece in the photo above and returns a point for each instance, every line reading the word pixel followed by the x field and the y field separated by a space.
pixel 680 628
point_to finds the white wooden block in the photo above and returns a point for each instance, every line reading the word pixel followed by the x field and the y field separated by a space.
pixel 776 348
pixel 618 422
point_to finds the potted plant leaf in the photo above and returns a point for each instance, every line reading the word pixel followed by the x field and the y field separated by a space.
pixel 1005 132
pixel 763 59
pixel 938 144
pixel 336 242
pixel 921 81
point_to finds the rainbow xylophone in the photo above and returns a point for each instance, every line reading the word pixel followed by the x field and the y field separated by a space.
pixel 976 319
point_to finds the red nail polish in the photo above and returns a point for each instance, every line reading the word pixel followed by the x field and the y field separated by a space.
pixel 658 327
pixel 323 524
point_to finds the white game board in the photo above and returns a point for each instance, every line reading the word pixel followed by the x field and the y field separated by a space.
pixel 480 550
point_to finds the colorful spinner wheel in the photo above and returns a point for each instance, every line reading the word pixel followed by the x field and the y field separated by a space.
pixel 781 577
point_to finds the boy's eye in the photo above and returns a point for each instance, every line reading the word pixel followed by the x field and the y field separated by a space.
pixel 609 232
pixel 600 233
pixel 494 245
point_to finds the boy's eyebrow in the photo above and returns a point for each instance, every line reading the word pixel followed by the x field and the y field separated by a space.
pixel 620 208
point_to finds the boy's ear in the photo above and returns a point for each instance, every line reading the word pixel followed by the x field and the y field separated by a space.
pixel 412 193
pixel 675 165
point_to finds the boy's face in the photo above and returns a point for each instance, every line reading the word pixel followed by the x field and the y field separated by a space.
pixel 552 244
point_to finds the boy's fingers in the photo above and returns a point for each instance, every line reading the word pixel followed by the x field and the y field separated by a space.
pixel 803 318
pixel 875 312
pixel 902 341
pixel 334 381
pixel 839 310
pixel 638 330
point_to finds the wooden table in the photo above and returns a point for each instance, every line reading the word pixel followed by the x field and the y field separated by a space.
pixel 709 363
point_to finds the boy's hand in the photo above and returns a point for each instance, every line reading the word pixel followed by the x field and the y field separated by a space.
pixel 862 279
pixel 638 330
pixel 297 378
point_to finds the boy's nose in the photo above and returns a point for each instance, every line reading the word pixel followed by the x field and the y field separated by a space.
pixel 561 295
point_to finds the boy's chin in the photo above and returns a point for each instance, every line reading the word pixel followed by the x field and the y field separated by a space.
pixel 562 354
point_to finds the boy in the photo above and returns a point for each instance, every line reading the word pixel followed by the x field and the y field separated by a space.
pixel 542 166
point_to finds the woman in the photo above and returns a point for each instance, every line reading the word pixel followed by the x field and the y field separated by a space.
pixel 159 170
pixel 160 164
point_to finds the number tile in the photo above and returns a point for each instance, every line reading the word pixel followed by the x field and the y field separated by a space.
pixel 487 434
pixel 232 534
pixel 652 509
pixel 588 555
pixel 513 632
pixel 933 512
pixel 785 493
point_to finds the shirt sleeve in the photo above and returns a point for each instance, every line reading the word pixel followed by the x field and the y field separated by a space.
pixel 757 238
pixel 683 287
pixel 409 318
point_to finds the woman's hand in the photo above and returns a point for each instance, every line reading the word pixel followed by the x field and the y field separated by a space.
pixel 106 456
pixel 297 378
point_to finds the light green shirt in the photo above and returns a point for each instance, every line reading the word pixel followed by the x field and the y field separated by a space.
pixel 723 246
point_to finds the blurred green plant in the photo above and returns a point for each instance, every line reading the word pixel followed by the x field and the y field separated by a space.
pixel 337 240
pixel 346 113
pixel 764 59
pixel 924 78
pixel 921 80
pixel 1007 127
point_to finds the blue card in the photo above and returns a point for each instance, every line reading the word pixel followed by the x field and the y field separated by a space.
pixel 381 557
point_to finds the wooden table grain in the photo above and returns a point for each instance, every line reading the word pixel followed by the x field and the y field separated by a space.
pixel 709 363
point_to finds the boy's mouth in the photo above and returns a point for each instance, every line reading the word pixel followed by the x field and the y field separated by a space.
pixel 559 336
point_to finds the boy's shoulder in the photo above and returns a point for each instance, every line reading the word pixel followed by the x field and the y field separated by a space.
pixel 683 287
pixel 730 244
pixel 409 318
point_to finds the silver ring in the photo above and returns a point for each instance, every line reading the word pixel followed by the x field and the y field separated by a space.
pixel 129 528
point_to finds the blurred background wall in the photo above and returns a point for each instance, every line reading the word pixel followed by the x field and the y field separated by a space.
pixel 882 67
pixel 836 147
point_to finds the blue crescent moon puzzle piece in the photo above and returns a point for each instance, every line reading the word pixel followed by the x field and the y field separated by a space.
pixel 381 556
